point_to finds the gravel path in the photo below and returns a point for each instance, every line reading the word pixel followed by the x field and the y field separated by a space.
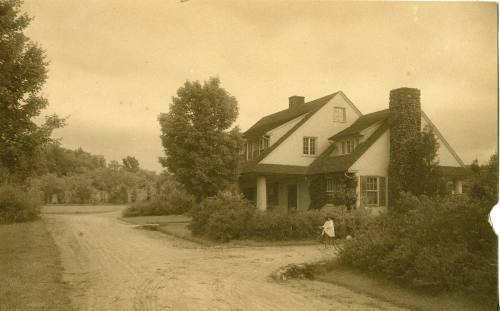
pixel 112 266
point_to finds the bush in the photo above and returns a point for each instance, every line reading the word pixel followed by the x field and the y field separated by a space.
pixel 17 205
pixel 171 201
pixel 347 221
pixel 439 244
pixel 280 227
pixel 222 217
pixel 228 217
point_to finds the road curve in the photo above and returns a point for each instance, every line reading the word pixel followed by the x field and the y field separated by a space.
pixel 112 266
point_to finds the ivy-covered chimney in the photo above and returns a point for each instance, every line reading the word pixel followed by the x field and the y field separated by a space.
pixel 404 105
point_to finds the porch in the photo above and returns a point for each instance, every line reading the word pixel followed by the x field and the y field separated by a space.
pixel 279 193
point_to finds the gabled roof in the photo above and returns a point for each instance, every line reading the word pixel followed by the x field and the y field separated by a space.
pixel 443 140
pixel 274 120
pixel 330 164
pixel 362 123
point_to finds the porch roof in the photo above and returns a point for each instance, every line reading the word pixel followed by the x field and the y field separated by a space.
pixel 275 169
pixel 454 171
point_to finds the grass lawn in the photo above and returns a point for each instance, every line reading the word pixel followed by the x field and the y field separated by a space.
pixel 391 292
pixel 31 274
pixel 177 225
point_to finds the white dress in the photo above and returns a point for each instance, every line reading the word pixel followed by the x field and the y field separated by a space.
pixel 329 229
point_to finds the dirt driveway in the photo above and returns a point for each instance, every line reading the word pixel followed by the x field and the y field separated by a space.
pixel 112 266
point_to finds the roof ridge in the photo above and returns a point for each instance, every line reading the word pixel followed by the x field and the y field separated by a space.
pixel 275 119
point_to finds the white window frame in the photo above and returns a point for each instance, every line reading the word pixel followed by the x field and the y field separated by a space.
pixel 329 185
pixel 308 148
pixel 376 190
pixel 263 144
pixel 347 146
pixel 339 114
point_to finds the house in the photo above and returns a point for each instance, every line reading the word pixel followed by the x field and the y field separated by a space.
pixel 311 152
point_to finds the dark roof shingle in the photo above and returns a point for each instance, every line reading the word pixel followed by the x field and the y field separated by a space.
pixel 330 164
pixel 362 123
pixel 276 119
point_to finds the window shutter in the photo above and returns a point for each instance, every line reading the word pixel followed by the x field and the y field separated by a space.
pixel 362 190
pixel 343 115
pixel 382 191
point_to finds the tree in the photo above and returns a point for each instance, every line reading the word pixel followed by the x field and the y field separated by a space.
pixel 130 164
pixel 23 69
pixel 114 166
pixel 429 180
pixel 484 182
pixel 419 172
pixel 201 152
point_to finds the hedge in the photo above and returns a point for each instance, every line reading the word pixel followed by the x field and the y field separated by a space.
pixel 17 205
pixel 230 217
pixel 438 245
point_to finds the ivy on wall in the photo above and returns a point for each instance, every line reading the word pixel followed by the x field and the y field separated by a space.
pixel 344 190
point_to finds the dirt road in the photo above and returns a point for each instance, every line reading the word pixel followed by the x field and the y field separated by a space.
pixel 112 266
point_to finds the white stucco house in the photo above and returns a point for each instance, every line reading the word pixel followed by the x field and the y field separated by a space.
pixel 329 135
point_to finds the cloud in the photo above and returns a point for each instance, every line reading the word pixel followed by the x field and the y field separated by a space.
pixel 116 64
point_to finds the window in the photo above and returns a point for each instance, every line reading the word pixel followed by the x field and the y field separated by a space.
pixel 373 191
pixel 347 146
pixel 255 150
pixel 244 152
pixel 264 143
pixel 338 114
pixel 309 146
pixel 350 146
pixel 329 185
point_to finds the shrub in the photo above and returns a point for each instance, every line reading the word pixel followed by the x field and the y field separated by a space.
pixel 17 205
pixel 279 227
pixel 228 217
pixel 172 201
pixel 439 244
pixel 347 221
pixel 221 217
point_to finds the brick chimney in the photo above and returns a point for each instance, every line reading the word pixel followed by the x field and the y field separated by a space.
pixel 294 101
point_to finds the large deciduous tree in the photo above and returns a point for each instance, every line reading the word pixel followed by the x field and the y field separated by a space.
pixel 130 164
pixel 23 71
pixel 201 149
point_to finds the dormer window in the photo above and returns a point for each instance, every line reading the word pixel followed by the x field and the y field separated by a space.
pixel 347 146
pixel 263 144
pixel 339 114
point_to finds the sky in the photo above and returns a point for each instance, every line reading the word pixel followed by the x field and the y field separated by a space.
pixel 115 64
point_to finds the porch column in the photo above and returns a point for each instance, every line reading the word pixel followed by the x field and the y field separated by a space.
pixel 458 186
pixel 261 193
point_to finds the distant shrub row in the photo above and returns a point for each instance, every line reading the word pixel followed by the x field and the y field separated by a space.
pixel 172 200
pixel 158 206
pixel 17 205
pixel 229 217
pixel 439 244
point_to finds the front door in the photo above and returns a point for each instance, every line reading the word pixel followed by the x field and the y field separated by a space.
pixel 292 197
